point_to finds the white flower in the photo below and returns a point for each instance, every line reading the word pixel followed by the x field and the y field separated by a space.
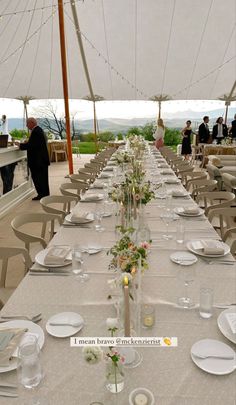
pixel 112 283
pixel 92 354
pixel 112 323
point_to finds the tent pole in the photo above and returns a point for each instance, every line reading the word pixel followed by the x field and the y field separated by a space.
pixel 95 126
pixel 65 82
pixel 159 109
pixel 227 103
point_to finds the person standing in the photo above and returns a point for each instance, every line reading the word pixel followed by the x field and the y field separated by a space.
pixel 38 158
pixel 159 134
pixel 203 131
pixel 232 130
pixel 186 142
pixel 220 130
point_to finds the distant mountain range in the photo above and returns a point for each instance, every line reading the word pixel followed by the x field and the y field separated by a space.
pixel 172 120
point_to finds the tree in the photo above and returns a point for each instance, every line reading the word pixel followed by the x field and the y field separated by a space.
pixel 49 119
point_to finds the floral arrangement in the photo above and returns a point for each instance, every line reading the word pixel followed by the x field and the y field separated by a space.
pixel 126 191
pixel 126 255
pixel 123 157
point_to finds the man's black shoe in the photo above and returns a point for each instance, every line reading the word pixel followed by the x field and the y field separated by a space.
pixel 36 198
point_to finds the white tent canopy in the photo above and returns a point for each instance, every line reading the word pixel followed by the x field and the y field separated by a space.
pixel 134 49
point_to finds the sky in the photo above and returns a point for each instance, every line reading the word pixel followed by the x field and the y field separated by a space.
pixel 110 109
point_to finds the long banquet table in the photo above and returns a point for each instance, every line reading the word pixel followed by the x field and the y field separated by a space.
pixel 168 372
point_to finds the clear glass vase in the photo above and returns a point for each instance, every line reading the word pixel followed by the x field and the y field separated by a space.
pixel 114 376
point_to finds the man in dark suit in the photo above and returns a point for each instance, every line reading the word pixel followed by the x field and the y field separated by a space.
pixel 220 130
pixel 233 128
pixel 203 131
pixel 38 159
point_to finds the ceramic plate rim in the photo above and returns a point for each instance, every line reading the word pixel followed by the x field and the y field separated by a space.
pixel 43 253
pixel 196 359
pixel 195 259
pixel 41 339
pixel 68 334
pixel 229 335
pixel 226 247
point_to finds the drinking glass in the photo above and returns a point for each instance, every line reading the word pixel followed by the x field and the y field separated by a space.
pixel 78 266
pixel 206 302
pixel 29 366
pixel 180 232
pixel 99 212
pixel 167 217
pixel 186 274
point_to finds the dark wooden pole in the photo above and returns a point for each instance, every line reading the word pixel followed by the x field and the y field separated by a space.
pixel 65 82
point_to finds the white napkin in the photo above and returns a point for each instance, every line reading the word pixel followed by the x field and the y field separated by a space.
pixel 167 171
pixel 105 175
pixel 108 169
pixel 191 210
pixel 81 218
pixel 178 193
pixel 92 197
pixel 209 247
pixel 231 318
pixel 57 255
pixel 97 184
pixel 163 165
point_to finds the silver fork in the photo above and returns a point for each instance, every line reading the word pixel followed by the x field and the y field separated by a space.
pixel 35 318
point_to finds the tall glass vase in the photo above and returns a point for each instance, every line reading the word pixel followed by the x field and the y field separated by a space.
pixel 114 376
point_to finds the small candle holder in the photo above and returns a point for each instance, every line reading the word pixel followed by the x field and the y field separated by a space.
pixel 147 316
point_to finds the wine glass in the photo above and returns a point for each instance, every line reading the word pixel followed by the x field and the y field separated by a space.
pixel 186 275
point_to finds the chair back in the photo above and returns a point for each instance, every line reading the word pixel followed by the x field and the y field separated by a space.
pixel 5 253
pixel 58 200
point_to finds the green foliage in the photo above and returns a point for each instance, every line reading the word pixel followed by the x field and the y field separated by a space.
pixel 172 137
pixel 84 148
pixel 148 130
pixel 134 130
pixel 120 136
pixel 19 133
pixel 106 136
pixel 87 137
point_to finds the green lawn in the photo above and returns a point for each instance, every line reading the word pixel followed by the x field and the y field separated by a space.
pixel 85 148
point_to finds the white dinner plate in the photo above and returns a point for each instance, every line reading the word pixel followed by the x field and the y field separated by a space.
pixel 64 330
pixel 213 365
pixel 224 325
pixel 184 258
pixel 39 258
pixel 32 328
pixel 108 169
pixel 184 194
pixel 200 252
pixel 179 211
pixel 105 176
pixel 80 220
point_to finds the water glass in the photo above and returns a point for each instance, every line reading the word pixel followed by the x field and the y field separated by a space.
pixel 206 302
pixel 180 232
pixel 29 366
pixel 78 266
pixel 99 212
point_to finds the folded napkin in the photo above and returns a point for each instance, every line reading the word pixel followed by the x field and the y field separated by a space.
pixel 231 318
pixel 7 353
pixel 163 165
pixel 57 255
pixel 92 197
pixel 97 184
pixel 178 193
pixel 191 210
pixel 105 175
pixel 209 247
pixel 108 169
pixel 172 180
pixel 167 171
pixel 81 218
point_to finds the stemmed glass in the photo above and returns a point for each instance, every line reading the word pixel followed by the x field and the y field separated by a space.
pixel 186 274
pixel 79 254
pixel 167 217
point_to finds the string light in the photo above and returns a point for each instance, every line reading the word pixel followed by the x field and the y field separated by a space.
pixel 30 10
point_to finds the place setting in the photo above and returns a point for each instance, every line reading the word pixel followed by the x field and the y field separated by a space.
pixel 92 197
pixel 189 211
pixel 77 219
pixel 53 260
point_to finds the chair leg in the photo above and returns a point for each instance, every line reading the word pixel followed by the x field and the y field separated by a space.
pixel 3 273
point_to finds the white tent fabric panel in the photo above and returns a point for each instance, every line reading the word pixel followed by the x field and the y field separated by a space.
pixel 134 48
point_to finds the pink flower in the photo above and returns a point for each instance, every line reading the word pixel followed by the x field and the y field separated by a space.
pixel 145 245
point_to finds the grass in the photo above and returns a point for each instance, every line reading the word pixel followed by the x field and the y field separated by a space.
pixel 85 148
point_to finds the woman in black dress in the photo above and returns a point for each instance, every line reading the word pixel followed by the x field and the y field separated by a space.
pixel 186 142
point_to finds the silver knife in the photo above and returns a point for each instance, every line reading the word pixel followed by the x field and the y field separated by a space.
pixel 6 384
pixel 8 394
